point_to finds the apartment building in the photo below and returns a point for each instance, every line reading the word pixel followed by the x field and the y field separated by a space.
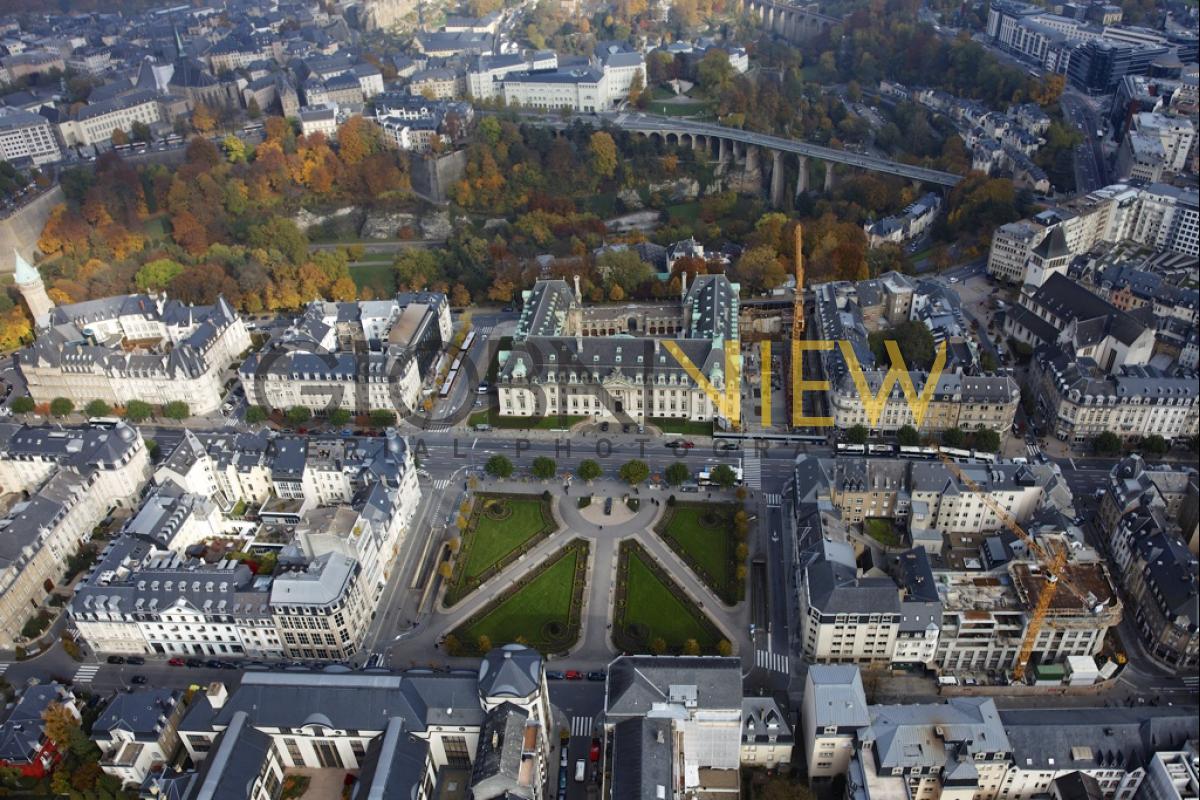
pixel 567 359
pixel 909 224
pixel 1172 775
pixel 94 123
pixel 137 733
pixel 404 733
pixel 25 135
pixel 24 745
pixel 73 478
pixel 1155 146
pixel 966 402
pixel 361 357
pixel 1158 215
pixel 1080 400
pixel 833 717
pixel 966 748
pixel 135 347
pixel 676 726
pixel 334 510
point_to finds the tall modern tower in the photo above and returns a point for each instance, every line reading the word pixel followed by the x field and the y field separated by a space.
pixel 29 284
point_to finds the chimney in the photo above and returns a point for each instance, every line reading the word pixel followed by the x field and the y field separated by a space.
pixel 578 294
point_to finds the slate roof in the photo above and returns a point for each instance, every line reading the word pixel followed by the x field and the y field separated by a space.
pixel 137 711
pixel 642 748
pixel 1091 738
pixel 395 765
pixel 837 696
pixel 231 769
pixel 513 670
pixel 497 765
pixel 636 683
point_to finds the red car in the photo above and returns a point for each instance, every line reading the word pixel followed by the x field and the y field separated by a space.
pixel 686 445
pixel 594 751
pixel 574 675
pixel 175 662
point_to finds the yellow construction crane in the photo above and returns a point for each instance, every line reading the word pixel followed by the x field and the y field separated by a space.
pixel 798 305
pixel 1054 565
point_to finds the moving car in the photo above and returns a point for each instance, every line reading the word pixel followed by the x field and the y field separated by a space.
pixel 138 679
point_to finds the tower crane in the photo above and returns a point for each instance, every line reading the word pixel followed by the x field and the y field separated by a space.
pixel 1053 564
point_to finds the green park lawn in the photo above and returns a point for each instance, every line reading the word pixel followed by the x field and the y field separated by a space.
pixel 652 607
pixel 491 541
pixel 538 612
pixel 708 546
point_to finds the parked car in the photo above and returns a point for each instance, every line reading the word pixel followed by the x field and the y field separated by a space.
pixel 608 505
pixel 604 427
pixel 730 446
pixel 137 661
pixel 555 675
pixel 213 663
pixel 176 662
pixel 594 751
pixel 116 660
pixel 597 675
pixel 194 662
pixel 574 675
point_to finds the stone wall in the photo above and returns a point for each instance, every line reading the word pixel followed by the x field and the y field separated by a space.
pixel 20 229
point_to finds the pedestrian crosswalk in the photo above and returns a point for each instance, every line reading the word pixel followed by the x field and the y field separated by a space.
pixel 4 665
pixel 773 500
pixel 85 673
pixel 772 661
pixel 752 472
pixel 581 726
pixel 441 483
pixel 435 427
pixel 1192 682
pixel 1032 450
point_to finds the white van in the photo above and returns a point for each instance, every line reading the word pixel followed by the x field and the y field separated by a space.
pixel 580 770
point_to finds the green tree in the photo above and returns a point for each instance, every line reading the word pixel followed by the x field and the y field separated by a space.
pixel 137 411
pixel 658 646
pixel 634 472
pixel 914 340
pixel 23 405
pixel 382 418
pixel 177 410
pixel 498 466
pixel 484 643
pixel 857 435
pixel 908 436
pixel 588 470
pixel 987 361
pixel 298 415
pixel 986 440
pixel 714 70
pixel 61 406
pixel 255 414
pixel 544 468
pixel 235 149
pixel 691 648
pixel 723 475
pixel 725 648
pixel 339 417
pixel 97 408
pixel 1155 444
pixel 760 269
pixel 603 152
pixel 953 437
pixel 1107 443
pixel 157 275
pixel 677 473
pixel 623 268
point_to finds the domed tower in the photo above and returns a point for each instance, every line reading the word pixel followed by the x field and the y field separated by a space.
pixel 29 283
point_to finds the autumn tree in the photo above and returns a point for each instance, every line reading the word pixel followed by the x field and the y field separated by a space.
pixel 203 119
pixel 759 269
pixel 59 724
pixel 119 137
pixel 603 154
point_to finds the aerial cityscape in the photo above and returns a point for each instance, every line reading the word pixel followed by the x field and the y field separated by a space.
pixel 600 400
